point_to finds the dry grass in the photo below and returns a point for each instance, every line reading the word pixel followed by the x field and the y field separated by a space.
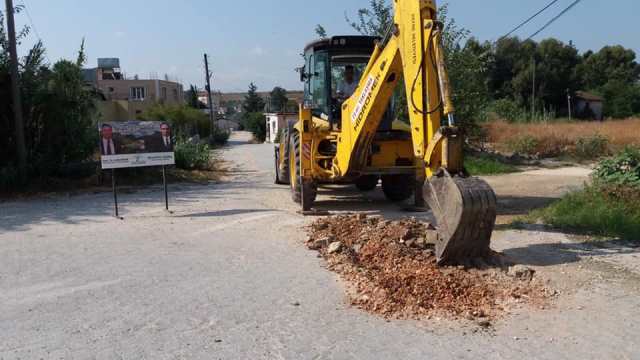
pixel 555 138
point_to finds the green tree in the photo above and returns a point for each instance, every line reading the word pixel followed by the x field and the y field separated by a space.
pixel 614 73
pixel 555 71
pixel 374 20
pixel 278 99
pixel 256 123
pixel 252 101
pixel 610 63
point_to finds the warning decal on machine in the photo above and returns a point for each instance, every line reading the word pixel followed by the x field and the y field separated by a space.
pixel 363 102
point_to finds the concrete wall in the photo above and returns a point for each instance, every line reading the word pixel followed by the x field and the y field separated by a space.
pixel 123 107
pixel 275 122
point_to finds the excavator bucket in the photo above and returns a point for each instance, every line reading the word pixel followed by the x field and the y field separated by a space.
pixel 465 212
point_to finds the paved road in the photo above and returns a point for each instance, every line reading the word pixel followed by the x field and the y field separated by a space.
pixel 227 277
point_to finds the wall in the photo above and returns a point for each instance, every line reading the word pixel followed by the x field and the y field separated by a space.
pixel 117 92
pixel 277 121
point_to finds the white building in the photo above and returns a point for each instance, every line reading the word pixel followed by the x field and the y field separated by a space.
pixel 277 121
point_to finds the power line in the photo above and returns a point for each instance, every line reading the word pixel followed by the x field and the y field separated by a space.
pixel 33 26
pixel 529 19
pixel 555 19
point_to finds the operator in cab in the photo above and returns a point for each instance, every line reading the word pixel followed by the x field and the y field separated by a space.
pixel 347 87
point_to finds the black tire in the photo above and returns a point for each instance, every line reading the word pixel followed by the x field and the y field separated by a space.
pixel 283 171
pixel 278 178
pixel 367 183
pixel 282 176
pixel 310 189
pixel 398 187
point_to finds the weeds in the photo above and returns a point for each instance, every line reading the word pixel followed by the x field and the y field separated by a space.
pixel 584 140
pixel 192 156
pixel 609 207
pixel 591 147
pixel 479 165
pixel 593 211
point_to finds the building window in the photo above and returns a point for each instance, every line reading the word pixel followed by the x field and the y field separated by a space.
pixel 164 93
pixel 137 93
pixel 175 95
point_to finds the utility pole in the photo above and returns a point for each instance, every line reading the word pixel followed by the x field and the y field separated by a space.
pixel 211 116
pixel 533 91
pixel 15 93
pixel 569 103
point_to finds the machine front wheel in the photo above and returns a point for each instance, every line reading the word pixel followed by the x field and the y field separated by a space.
pixel 310 191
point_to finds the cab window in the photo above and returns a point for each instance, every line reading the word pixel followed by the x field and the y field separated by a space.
pixel 318 84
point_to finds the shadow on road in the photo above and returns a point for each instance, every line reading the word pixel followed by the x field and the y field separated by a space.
pixel 566 253
pixel 223 213
pixel 522 205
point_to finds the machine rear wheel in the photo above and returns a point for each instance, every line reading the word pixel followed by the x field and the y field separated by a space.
pixel 310 189
pixel 398 187
pixel 367 183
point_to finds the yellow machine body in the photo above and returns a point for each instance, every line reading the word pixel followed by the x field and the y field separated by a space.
pixel 345 144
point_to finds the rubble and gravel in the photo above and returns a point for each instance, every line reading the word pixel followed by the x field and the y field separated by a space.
pixel 391 270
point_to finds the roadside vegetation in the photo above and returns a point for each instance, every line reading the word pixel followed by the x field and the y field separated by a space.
pixel 608 207
pixel 61 115
pixel 575 139
pixel 480 164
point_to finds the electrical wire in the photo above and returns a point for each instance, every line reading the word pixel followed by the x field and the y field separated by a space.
pixel 555 19
pixel 529 19
pixel 33 26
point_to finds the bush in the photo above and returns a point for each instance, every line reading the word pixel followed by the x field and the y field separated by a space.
pixel 525 144
pixel 256 124
pixel 508 110
pixel 220 137
pixel 478 165
pixel 621 170
pixel 594 212
pixel 191 156
pixel 592 147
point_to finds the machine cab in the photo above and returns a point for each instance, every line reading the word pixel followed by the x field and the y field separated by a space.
pixel 331 73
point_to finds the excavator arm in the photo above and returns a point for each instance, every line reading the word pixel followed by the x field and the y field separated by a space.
pixel 464 207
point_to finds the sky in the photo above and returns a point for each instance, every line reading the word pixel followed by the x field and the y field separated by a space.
pixel 260 41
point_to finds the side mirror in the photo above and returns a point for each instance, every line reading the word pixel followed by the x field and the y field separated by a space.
pixel 303 75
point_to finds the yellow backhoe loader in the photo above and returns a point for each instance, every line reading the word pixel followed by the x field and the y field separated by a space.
pixel 346 132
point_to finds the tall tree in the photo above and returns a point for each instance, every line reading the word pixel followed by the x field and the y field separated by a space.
pixel 278 99
pixel 374 20
pixel 252 101
pixel 610 63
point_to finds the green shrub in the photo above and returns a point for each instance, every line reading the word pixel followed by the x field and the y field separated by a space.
pixel 622 169
pixel 478 165
pixel 594 212
pixel 220 137
pixel 525 144
pixel 192 156
pixel 256 124
pixel 509 110
pixel 592 147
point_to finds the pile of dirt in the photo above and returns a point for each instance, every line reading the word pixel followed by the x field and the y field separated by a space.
pixel 391 267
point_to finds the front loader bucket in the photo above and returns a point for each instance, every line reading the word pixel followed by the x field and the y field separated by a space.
pixel 465 212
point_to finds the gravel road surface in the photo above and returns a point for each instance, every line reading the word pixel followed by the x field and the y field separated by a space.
pixel 227 276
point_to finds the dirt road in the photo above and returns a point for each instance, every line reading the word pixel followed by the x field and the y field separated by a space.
pixel 227 277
